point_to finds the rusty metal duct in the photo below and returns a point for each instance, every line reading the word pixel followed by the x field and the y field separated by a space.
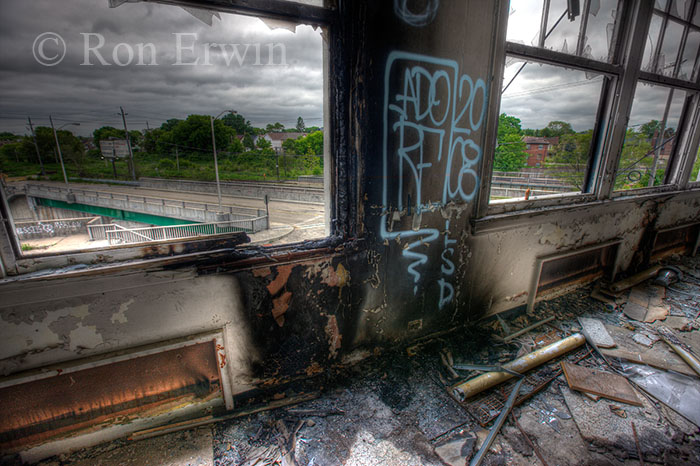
pixel 39 409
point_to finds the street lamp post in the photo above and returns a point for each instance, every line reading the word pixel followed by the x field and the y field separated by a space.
pixel 216 162
pixel 58 147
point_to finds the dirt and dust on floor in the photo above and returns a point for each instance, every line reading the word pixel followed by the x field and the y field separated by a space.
pixel 604 375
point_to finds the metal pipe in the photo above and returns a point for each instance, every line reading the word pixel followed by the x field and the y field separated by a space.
pixel 635 279
pixel 522 364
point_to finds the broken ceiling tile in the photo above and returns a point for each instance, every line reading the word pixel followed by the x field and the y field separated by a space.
pixel 595 330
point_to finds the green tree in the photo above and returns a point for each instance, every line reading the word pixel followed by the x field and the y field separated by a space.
pixel 510 152
pixel 635 162
pixel 289 146
pixel 195 133
pixel 248 142
pixel 311 144
pixel 263 143
pixel 275 128
pixel 239 124
pixel 569 159
pixel 301 127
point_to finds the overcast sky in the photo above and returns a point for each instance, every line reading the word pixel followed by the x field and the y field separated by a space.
pixel 91 95
pixel 544 93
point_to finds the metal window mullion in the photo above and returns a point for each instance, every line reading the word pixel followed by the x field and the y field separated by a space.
pixel 543 23
pixel 681 49
pixel 683 158
pixel 659 41
pixel 491 129
pixel 277 9
pixel 561 59
pixel 622 95
pixel 668 81
pixel 583 29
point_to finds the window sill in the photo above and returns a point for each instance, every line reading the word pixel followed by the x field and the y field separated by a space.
pixel 541 213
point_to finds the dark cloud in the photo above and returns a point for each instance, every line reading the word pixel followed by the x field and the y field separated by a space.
pixel 72 91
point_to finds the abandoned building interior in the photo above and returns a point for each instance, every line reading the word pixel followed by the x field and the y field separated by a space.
pixel 440 316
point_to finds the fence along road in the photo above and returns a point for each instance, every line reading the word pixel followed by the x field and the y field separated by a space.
pixel 281 212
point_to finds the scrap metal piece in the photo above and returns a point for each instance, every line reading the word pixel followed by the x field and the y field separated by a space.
pixel 484 368
pixel 635 279
pixel 527 329
pixel 476 461
pixel 523 364
pixel 486 406
pixel 605 384
pixel 636 442
pixel 668 276
pixel 676 345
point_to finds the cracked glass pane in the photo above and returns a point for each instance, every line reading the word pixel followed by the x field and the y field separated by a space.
pixel 562 32
pixel 661 4
pixel 524 21
pixel 652 40
pixel 669 48
pixel 599 32
pixel 651 136
pixel 681 8
pixel 690 52
pixel 545 131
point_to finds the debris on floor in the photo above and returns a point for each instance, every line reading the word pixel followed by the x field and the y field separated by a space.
pixel 597 382
pixel 594 376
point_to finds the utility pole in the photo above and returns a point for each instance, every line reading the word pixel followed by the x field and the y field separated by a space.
pixel 36 146
pixel 177 159
pixel 128 144
pixel 60 156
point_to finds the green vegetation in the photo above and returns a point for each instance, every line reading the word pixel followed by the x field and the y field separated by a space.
pixel 510 153
pixel 177 149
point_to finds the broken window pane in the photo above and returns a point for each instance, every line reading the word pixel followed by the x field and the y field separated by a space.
pixel 562 32
pixel 652 42
pixel 211 101
pixel 669 48
pixel 681 8
pixel 690 53
pixel 651 136
pixel 600 29
pixel 524 21
pixel 553 110
pixel 563 29
pixel 661 4
pixel 696 16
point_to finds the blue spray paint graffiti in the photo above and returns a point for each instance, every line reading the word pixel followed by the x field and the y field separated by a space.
pixel 416 19
pixel 430 113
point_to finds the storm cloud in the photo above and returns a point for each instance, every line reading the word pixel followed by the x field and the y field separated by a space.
pixel 265 74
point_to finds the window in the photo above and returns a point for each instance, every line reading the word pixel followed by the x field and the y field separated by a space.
pixel 608 88
pixel 155 122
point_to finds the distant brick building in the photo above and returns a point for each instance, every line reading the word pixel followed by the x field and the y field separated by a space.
pixel 537 149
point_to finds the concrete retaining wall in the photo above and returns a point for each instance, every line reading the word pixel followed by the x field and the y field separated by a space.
pixel 280 192
pixel 51 228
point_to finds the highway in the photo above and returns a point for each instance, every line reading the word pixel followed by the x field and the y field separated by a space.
pixel 306 219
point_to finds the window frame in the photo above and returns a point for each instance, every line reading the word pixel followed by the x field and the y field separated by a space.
pixel 621 75
pixel 339 169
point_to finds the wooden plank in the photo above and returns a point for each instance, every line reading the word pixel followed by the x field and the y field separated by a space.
pixel 605 384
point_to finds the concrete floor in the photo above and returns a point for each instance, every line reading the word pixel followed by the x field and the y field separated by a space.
pixel 395 409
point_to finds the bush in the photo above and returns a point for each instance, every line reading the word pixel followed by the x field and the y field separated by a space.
pixel 166 164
